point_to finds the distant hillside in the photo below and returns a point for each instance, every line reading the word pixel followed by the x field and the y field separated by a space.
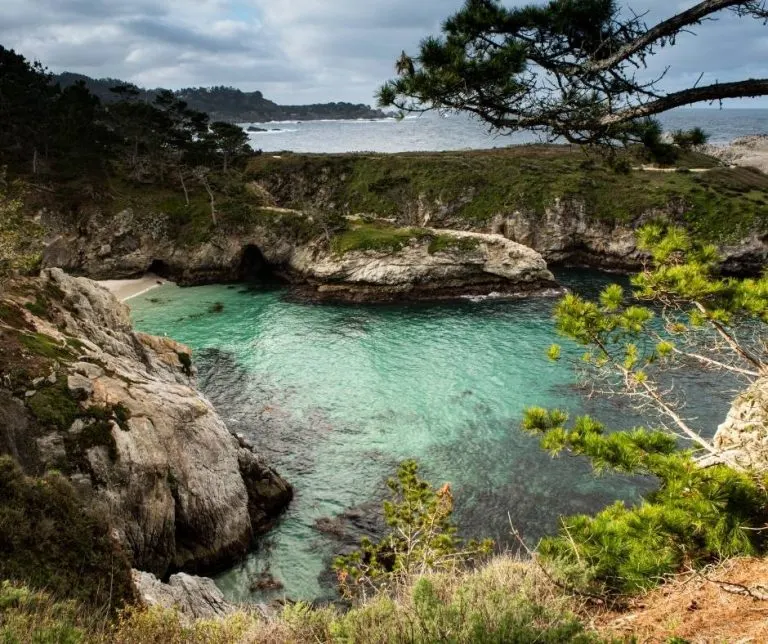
pixel 230 104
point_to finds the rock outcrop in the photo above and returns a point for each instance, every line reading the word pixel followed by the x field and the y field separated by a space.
pixel 467 263
pixel 748 151
pixel 194 597
pixel 464 264
pixel 743 436
pixel 137 242
pixel 119 413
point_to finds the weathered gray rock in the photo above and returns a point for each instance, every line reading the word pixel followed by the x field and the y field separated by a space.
pixel 744 433
pixel 472 263
pixel 749 151
pixel 178 487
pixel 193 597
pixel 135 242
pixel 567 234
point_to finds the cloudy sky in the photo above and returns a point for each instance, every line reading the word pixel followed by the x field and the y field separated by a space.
pixel 302 51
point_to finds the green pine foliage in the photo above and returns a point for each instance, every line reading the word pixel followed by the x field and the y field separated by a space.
pixel 696 516
pixel 680 308
pixel 422 539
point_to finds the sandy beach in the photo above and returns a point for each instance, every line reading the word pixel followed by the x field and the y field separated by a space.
pixel 126 289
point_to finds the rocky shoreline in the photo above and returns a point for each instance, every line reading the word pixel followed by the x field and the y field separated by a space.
pixel 118 413
pixel 746 151
pixel 421 263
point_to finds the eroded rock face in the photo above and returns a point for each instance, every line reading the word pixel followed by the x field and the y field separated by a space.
pixel 468 263
pixel 134 243
pixel 744 433
pixel 146 446
pixel 566 234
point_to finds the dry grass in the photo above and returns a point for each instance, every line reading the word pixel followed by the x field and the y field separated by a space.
pixel 505 600
pixel 703 608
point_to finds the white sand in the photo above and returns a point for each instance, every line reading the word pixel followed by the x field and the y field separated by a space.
pixel 126 289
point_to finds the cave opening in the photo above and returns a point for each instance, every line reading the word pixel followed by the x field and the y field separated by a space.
pixel 160 268
pixel 253 267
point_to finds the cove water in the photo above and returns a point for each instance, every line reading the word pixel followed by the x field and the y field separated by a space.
pixel 335 396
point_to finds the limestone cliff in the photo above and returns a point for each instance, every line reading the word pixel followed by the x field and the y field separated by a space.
pixel 408 262
pixel 571 209
pixel 118 412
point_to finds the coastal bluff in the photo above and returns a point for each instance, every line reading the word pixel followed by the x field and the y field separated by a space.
pixel 117 412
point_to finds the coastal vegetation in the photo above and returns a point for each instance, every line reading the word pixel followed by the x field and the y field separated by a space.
pixel 468 189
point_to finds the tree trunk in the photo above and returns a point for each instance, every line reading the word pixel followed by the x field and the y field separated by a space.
pixel 184 187
pixel 34 161
pixel 207 187
pixel 226 159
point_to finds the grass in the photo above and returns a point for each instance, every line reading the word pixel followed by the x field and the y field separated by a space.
pixel 504 601
pixel 371 236
pixel 383 237
pixel 468 189
pixel 442 242
pixel 44 346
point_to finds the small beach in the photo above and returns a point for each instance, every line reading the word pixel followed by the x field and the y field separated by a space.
pixel 124 290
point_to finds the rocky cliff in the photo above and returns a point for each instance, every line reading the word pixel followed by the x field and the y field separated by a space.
pixel 571 209
pixel 418 263
pixel 743 436
pixel 117 412
pixel 368 261
pixel 291 214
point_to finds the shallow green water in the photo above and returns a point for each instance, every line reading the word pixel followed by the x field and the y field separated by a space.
pixel 335 396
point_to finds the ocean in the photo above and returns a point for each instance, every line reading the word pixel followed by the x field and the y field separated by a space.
pixel 432 132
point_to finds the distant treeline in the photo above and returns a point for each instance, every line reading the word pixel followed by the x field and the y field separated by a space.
pixel 69 131
pixel 228 103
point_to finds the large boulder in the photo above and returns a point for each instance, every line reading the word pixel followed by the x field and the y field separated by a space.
pixel 193 597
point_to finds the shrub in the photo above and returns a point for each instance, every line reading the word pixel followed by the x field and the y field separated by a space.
pixel 50 540
pixel 423 538
pixel 27 616
pixel 695 517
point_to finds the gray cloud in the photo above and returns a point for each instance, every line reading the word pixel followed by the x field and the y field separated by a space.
pixel 303 50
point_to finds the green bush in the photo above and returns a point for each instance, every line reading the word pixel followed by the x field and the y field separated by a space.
pixel 696 516
pixel 422 538
pixel 27 616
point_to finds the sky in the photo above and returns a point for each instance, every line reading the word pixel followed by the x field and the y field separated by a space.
pixel 305 51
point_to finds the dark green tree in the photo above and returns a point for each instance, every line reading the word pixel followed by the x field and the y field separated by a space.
pixel 229 140
pixel 569 68
pixel 26 99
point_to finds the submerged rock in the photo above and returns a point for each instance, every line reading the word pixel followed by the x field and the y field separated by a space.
pixel 141 442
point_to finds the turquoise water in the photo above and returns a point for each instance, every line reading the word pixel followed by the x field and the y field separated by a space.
pixel 336 396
